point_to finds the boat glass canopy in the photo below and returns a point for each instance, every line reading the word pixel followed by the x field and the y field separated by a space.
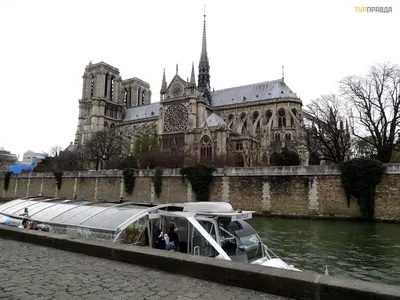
pixel 61 212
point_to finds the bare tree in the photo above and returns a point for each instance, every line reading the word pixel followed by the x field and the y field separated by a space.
pixel 69 161
pixel 375 100
pixel 362 149
pixel 103 145
pixel 325 133
pixel 55 151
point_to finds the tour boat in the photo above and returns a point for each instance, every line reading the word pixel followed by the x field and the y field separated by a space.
pixel 210 229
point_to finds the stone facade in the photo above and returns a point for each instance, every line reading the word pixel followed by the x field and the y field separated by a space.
pixel 250 122
pixel 312 191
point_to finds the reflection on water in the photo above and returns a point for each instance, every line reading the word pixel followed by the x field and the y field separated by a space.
pixel 367 251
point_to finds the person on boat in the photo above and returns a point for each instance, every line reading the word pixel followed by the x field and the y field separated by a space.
pixel 173 236
pixel 25 223
pixel 160 240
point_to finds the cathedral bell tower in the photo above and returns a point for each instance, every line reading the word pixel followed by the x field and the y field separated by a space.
pixel 100 106
pixel 204 67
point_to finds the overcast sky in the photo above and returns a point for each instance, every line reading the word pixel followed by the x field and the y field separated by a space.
pixel 46 45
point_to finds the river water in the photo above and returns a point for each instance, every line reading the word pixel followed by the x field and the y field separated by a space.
pixel 367 251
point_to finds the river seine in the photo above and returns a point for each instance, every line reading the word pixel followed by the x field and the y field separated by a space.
pixel 367 251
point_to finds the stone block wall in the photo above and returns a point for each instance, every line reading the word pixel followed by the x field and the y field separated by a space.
pixel 290 191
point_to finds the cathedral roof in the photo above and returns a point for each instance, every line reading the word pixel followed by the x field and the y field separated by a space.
pixel 142 112
pixel 72 147
pixel 213 120
pixel 253 92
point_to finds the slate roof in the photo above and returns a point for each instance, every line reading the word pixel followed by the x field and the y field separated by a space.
pixel 213 120
pixel 253 92
pixel 72 147
pixel 142 112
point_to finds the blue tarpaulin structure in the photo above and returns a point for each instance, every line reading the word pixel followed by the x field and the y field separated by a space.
pixel 18 168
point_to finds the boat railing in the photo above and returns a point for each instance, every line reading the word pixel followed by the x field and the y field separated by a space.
pixel 269 252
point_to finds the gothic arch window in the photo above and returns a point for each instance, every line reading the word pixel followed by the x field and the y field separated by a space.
pixel 91 86
pixel 264 159
pixel 287 136
pixel 107 79
pixel 143 97
pixel 277 137
pixel 112 126
pixel 206 149
pixel 105 125
pixel 112 88
pixel 239 161
pixel 255 117
pixel 268 116
pixel 274 159
pixel 230 118
pixel 294 111
pixel 244 126
pixel 138 96
pixel 126 98
pixel 130 96
pixel 281 117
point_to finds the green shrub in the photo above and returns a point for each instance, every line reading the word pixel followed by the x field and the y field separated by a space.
pixel 157 181
pixel 58 175
pixel 360 176
pixel 7 178
pixel 129 180
pixel 289 158
pixel 200 177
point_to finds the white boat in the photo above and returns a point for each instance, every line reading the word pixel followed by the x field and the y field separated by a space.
pixel 210 229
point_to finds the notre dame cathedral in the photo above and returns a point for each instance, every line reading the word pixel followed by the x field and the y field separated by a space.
pixel 251 123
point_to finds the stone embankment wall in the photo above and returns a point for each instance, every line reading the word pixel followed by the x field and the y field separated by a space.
pixel 311 191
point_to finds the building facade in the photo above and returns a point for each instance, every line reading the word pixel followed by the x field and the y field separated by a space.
pixel 32 158
pixel 251 123
pixel 6 159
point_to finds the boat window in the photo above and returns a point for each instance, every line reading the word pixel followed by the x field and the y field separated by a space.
pixel 59 210
pixel 14 203
pixel 76 215
pixel 136 234
pixel 20 207
pixel 239 236
pixel 253 247
pixel 177 230
pixel 34 208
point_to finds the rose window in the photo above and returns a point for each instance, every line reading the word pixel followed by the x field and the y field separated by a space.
pixel 176 118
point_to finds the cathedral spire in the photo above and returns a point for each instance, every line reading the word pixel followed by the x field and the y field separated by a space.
pixel 163 84
pixel 204 66
pixel 204 41
pixel 192 77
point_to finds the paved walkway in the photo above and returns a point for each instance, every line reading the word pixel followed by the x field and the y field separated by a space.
pixel 30 272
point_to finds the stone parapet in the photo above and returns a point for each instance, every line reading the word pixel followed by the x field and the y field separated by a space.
pixel 319 170
pixel 311 191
